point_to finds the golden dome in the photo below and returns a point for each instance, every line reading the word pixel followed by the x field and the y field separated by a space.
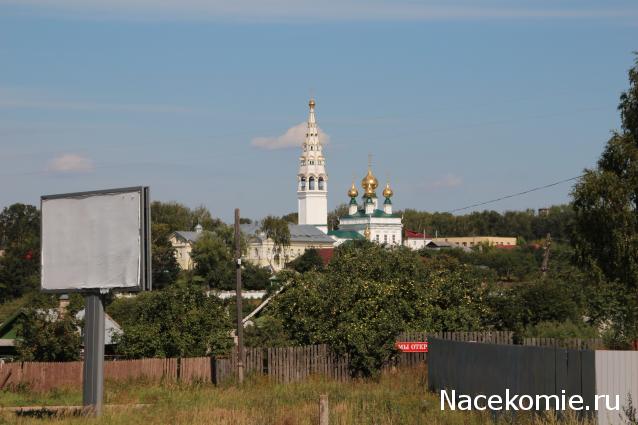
pixel 367 233
pixel 369 183
pixel 311 103
pixel 387 192
pixel 353 192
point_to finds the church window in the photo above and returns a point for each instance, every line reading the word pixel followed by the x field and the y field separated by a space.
pixel 377 238
pixel 394 238
pixel 321 183
pixel 311 183
pixel 303 183
pixel 385 238
pixel 312 163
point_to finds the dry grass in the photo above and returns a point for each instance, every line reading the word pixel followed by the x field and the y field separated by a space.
pixel 396 399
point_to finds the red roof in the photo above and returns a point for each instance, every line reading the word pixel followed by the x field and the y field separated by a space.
pixel 506 246
pixel 410 234
pixel 325 254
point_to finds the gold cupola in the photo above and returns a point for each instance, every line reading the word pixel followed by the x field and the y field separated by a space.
pixel 387 192
pixel 367 233
pixel 369 183
pixel 353 192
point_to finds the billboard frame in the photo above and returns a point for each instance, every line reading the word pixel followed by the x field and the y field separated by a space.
pixel 145 275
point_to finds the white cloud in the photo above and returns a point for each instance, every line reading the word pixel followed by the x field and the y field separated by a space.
pixel 293 10
pixel 70 163
pixel 292 138
pixel 446 182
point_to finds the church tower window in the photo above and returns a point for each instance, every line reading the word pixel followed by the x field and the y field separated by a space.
pixel 321 183
pixel 311 183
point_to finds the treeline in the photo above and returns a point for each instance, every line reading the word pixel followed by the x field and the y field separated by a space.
pixel 528 225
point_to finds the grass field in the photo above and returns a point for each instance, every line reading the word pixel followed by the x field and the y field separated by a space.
pixel 399 398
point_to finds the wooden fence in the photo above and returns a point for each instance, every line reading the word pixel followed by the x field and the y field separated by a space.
pixel 283 365
pixel 568 343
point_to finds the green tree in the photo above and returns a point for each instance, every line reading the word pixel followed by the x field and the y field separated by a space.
pixel 292 217
pixel 606 213
pixel 333 216
pixel 309 260
pixel 180 321
pixel 43 336
pixel 255 277
pixel 213 260
pixel 277 230
pixel 164 263
pixel 267 331
pixel 20 240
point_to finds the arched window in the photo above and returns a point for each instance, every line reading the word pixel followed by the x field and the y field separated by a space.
pixel 321 183
pixel 302 183
pixel 311 183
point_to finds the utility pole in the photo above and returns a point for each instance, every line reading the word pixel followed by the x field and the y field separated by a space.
pixel 545 266
pixel 240 314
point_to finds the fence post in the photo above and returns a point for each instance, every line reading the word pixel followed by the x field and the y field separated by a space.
pixel 324 412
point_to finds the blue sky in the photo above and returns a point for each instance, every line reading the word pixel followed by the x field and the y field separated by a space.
pixel 457 101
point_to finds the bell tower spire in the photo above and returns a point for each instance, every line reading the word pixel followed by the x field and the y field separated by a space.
pixel 312 180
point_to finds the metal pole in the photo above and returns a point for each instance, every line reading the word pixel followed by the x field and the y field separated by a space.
pixel 240 314
pixel 93 371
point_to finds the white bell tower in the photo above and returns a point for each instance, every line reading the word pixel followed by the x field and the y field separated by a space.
pixel 312 180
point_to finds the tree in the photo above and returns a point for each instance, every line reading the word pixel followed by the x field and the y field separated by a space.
pixel 309 260
pixel 43 336
pixel 277 230
pixel 368 294
pixel 164 263
pixel 333 216
pixel 213 261
pixel 177 216
pixel 20 240
pixel 267 331
pixel 255 277
pixel 605 201
pixel 180 321
pixel 292 217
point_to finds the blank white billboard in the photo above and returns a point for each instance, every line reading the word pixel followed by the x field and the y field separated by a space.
pixel 94 240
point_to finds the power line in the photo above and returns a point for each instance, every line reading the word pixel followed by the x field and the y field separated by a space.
pixel 515 194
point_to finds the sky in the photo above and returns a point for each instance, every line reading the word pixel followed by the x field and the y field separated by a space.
pixel 458 102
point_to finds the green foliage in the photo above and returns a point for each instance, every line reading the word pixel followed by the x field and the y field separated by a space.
pixel 292 217
pixel 164 263
pixel 309 260
pixel 180 321
pixel 561 330
pixel 606 220
pixel 179 217
pixel 524 224
pixel 214 263
pixel 277 230
pixel 368 294
pixel 267 331
pixel 20 240
pixel 255 277
pixel 44 336
pixel 333 216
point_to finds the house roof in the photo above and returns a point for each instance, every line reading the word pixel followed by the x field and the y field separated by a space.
pixel 346 234
pixel 411 234
pixel 326 254
pixel 298 233
pixel 188 236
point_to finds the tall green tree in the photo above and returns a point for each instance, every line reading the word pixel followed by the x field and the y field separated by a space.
pixel 44 336
pixel 213 260
pixel 277 230
pixel 20 240
pixel 606 212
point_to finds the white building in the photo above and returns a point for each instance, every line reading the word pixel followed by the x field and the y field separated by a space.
pixel 312 180
pixel 376 224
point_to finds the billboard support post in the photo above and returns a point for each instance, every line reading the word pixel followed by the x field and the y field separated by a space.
pixel 93 371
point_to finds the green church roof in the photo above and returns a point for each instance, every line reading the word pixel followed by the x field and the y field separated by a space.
pixel 346 234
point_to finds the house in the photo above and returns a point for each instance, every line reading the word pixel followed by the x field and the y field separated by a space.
pixel 261 250
pixel 472 241
pixel 9 328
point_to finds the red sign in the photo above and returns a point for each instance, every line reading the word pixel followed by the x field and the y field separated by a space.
pixel 412 347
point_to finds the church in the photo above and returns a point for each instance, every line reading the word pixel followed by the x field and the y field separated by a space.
pixel 364 221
